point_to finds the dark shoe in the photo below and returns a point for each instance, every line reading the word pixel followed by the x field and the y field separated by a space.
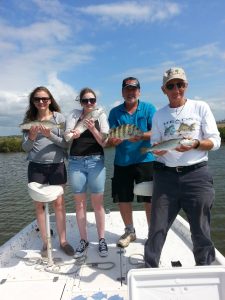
pixel 81 249
pixel 68 249
pixel 102 248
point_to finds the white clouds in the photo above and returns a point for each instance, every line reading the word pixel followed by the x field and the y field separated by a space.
pixel 64 94
pixel 66 45
pixel 16 103
pixel 50 7
pixel 133 11
pixel 36 33
pixel 29 53
pixel 204 51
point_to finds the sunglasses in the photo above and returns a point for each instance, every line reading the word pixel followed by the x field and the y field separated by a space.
pixel 88 100
pixel 39 99
pixel 179 85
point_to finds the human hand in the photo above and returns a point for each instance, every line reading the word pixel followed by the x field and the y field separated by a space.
pixel 187 144
pixel 33 132
pixel 45 131
pixel 135 138
pixel 159 152
pixel 75 133
pixel 114 141
pixel 90 124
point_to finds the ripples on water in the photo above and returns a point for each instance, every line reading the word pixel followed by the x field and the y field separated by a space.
pixel 16 207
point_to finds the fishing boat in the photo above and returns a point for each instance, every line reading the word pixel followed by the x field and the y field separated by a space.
pixel 25 275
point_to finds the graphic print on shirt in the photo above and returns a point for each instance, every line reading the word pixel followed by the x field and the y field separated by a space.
pixel 169 130
pixel 177 128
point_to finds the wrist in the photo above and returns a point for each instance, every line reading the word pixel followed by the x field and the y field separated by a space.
pixel 197 144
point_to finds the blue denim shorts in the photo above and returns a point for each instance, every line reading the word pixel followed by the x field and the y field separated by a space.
pixel 87 173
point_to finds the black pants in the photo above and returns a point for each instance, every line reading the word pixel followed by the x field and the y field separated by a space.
pixel 193 192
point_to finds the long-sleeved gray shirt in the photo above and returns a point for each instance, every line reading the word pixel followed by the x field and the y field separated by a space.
pixel 47 150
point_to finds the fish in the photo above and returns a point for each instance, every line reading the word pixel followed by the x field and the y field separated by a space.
pixel 168 145
pixel 124 132
pixel 47 124
pixel 186 127
pixel 93 114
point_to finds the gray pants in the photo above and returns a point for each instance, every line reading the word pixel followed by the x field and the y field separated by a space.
pixel 193 192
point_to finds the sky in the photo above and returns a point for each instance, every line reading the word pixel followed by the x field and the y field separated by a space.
pixel 71 44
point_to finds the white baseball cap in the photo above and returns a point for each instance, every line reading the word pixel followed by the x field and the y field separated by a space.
pixel 174 73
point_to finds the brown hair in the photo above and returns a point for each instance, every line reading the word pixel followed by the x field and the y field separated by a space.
pixel 85 91
pixel 31 113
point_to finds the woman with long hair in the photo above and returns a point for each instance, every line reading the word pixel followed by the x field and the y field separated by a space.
pixel 86 168
pixel 46 150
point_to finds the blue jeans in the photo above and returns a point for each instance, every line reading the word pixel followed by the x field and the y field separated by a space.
pixel 193 192
pixel 87 172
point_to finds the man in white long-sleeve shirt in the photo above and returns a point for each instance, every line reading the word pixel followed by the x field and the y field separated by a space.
pixel 181 177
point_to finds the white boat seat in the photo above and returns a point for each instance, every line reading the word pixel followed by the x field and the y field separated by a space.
pixel 44 192
pixel 143 188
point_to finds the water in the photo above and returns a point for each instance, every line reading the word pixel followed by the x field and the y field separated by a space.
pixel 16 207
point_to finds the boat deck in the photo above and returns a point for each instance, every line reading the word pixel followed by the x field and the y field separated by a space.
pixel 24 275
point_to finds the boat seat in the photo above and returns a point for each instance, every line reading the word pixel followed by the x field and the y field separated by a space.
pixel 46 193
pixel 143 188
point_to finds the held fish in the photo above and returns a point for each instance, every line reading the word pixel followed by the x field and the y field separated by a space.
pixel 47 124
pixel 94 115
pixel 124 132
pixel 169 145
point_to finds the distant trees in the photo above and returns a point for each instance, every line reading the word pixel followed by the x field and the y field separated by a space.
pixel 222 132
pixel 10 144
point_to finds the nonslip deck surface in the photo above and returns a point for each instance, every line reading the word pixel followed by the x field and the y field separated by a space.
pixel 25 276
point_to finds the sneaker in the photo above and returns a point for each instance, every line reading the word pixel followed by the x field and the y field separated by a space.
pixel 102 248
pixel 81 249
pixel 126 238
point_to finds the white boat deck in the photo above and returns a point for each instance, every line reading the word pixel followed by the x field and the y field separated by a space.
pixel 25 276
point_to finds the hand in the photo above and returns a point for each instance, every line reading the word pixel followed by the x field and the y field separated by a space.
pixel 187 145
pixel 45 131
pixel 114 141
pixel 159 152
pixel 90 124
pixel 183 148
pixel 76 133
pixel 135 138
pixel 33 132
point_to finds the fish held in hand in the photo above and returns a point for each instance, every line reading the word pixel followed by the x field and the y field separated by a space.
pixel 47 124
pixel 80 126
pixel 124 132
pixel 169 145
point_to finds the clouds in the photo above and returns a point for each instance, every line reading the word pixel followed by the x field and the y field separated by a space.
pixel 130 12
pixel 67 45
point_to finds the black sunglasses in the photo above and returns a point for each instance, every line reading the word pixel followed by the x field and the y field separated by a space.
pixel 88 100
pixel 39 99
pixel 179 85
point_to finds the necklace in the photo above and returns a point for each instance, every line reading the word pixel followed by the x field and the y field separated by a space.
pixel 179 109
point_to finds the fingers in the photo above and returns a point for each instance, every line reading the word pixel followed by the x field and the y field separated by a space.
pixel 115 141
pixel 44 130
pixel 76 133
pixel 159 152
pixel 89 123
pixel 183 148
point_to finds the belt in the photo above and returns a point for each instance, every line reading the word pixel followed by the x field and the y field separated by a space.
pixel 179 169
